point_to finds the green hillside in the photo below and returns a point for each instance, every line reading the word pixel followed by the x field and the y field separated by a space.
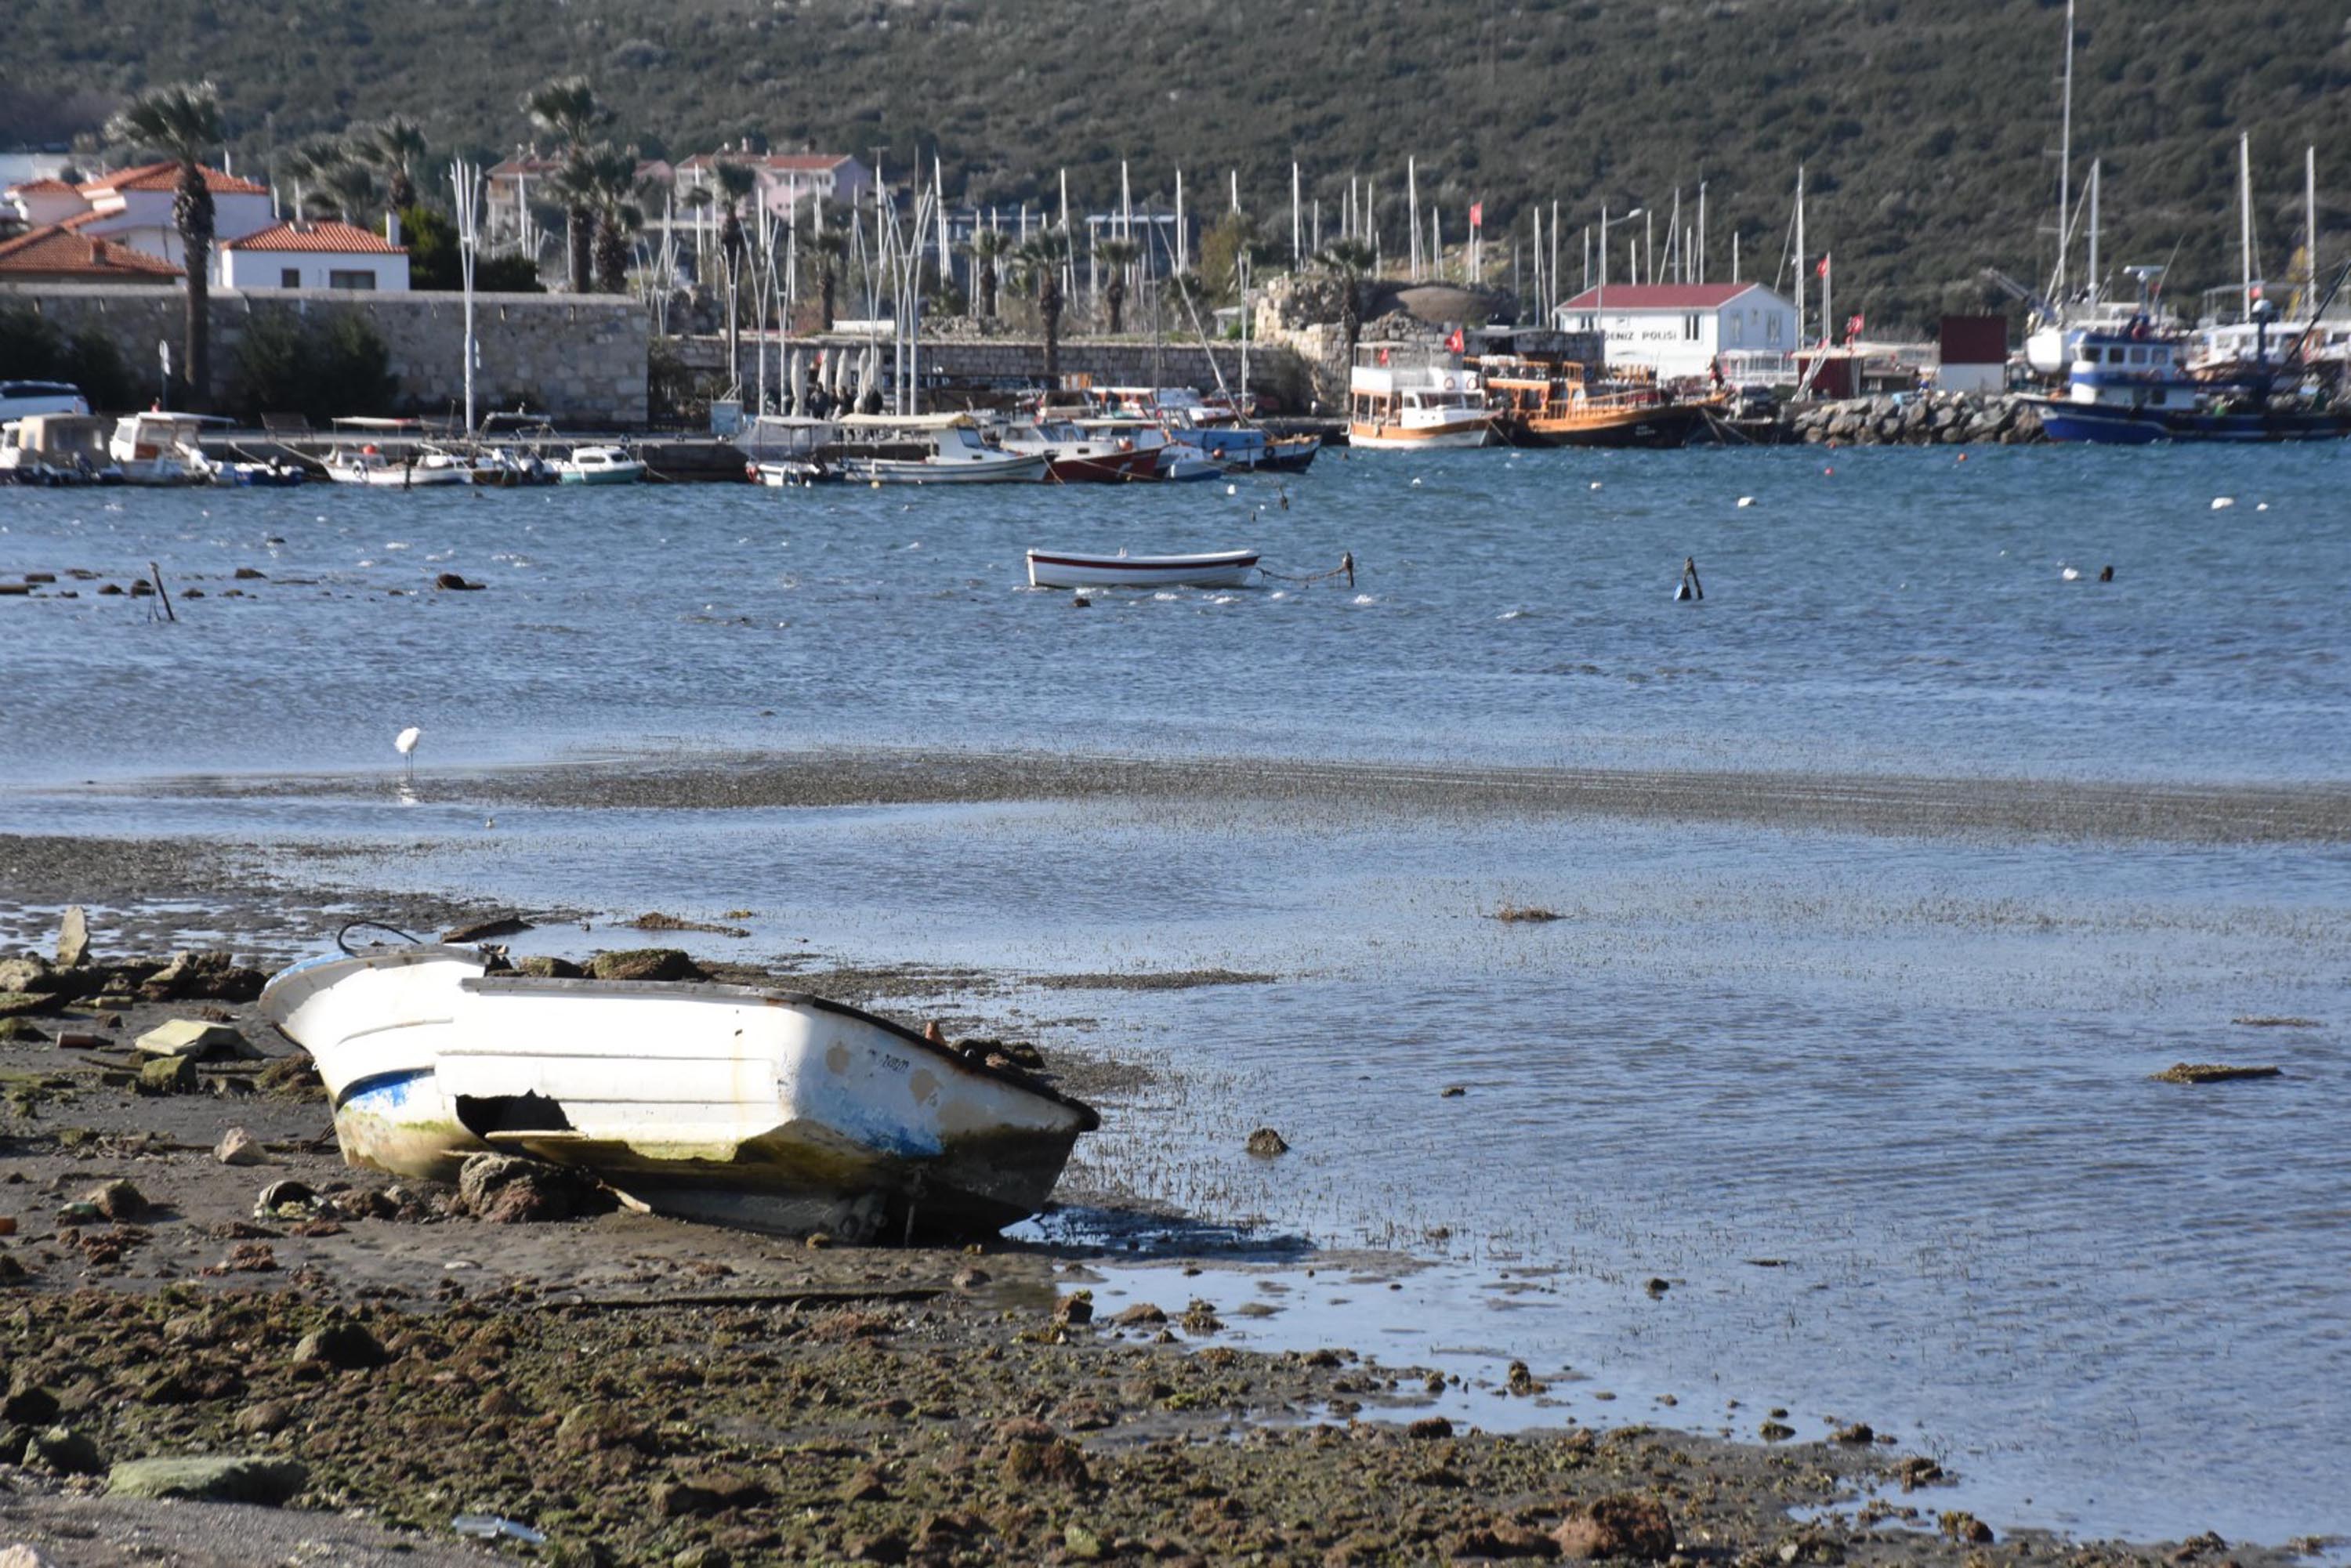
pixel 1929 126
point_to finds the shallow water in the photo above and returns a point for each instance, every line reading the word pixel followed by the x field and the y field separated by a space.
pixel 1876 1107
pixel 1906 612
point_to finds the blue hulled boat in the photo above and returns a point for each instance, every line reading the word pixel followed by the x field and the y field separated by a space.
pixel 2128 387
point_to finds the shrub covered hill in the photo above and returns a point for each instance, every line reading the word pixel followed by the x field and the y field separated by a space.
pixel 1929 126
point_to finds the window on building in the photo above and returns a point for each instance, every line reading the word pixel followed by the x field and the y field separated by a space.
pixel 1689 328
pixel 339 278
pixel 1738 330
pixel 290 277
pixel 1772 327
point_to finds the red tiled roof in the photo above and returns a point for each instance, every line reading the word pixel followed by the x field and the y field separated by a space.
pixel 327 235
pixel 39 188
pixel 1661 296
pixel 82 220
pixel 55 248
pixel 165 176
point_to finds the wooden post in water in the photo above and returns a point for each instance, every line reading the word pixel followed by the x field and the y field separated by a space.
pixel 162 594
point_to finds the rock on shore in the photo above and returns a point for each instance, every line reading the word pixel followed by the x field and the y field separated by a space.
pixel 1925 419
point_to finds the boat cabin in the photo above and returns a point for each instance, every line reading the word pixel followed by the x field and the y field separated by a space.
pixel 2133 369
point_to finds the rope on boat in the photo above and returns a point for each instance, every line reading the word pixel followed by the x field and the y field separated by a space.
pixel 1346 569
pixel 373 926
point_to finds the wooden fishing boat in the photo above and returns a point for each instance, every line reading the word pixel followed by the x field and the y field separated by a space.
pixel 764 1108
pixel 1550 403
pixel 1213 568
pixel 159 448
pixel 417 471
pixel 932 449
pixel 1076 456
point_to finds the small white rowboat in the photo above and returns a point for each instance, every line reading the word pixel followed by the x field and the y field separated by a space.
pixel 769 1109
pixel 1215 569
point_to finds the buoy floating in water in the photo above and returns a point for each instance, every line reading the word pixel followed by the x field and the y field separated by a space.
pixel 2223 503
pixel 1746 500
pixel 1596 483
pixel 2261 505
pixel 2070 574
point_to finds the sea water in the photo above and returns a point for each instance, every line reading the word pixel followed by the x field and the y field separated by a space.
pixel 1875 1108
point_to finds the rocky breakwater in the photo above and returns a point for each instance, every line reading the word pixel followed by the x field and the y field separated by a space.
pixel 1917 419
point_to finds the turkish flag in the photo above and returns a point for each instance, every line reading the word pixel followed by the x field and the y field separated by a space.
pixel 1476 214
pixel 1456 342
pixel 1824 268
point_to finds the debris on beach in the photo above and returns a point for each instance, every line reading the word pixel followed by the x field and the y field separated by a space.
pixel 653 920
pixel 1522 914
pixel 2210 1073
pixel 1266 1142
pixel 2265 1020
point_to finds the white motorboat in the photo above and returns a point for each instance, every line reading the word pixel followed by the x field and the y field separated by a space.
pixel 601 465
pixel 1400 408
pixel 1074 456
pixel 160 448
pixel 939 449
pixel 57 449
pixel 1174 459
pixel 413 471
pixel 1213 568
pixel 764 1108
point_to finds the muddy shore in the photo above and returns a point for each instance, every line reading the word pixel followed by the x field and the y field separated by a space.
pixel 639 1390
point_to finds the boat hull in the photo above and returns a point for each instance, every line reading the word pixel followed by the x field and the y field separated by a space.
pixel 1403 438
pixel 1218 569
pixel 622 475
pixel 1103 468
pixel 768 1109
pixel 1011 470
pixel 2120 426
pixel 398 478
pixel 1664 426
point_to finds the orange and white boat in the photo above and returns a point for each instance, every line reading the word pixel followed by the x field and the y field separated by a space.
pixel 1550 403
pixel 1411 408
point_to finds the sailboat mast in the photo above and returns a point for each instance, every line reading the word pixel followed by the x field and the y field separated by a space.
pixel 2065 161
pixel 2310 225
pixel 2094 232
pixel 1803 262
pixel 2245 217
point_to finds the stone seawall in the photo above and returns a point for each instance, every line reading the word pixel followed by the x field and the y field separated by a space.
pixel 578 358
pixel 1927 419
pixel 981 363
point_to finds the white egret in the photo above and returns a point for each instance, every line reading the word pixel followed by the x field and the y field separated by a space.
pixel 405 743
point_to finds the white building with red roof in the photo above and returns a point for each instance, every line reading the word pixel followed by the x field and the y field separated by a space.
pixel 1678 330
pixel 782 181
pixel 132 207
pixel 61 253
pixel 321 254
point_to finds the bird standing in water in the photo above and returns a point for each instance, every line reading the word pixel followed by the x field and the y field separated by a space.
pixel 405 743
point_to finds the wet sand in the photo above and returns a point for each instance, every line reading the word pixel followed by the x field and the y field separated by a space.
pixel 1874 803
pixel 659 1391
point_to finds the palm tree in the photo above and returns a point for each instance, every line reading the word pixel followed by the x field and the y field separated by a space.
pixel 831 248
pixel 735 183
pixel 618 215
pixel 395 149
pixel 1042 257
pixel 568 108
pixel 1351 259
pixel 184 124
pixel 1118 255
pixel 986 247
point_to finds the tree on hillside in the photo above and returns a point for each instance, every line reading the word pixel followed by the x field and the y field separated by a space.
pixel 1041 260
pixel 569 109
pixel 1222 249
pixel 184 123
pixel 1351 260
pixel 988 247
pixel 1119 256
pixel 395 149
pixel 734 184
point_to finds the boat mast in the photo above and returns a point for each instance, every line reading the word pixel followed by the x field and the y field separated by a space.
pixel 1804 261
pixel 2094 232
pixel 1700 277
pixel 2066 164
pixel 2310 225
pixel 2245 218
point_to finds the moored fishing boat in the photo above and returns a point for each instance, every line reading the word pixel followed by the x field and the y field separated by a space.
pixel 57 449
pixel 1077 457
pixel 2130 388
pixel 1550 403
pixel 368 465
pixel 764 1108
pixel 1213 568
pixel 601 465
pixel 160 448
pixel 1407 408
pixel 937 449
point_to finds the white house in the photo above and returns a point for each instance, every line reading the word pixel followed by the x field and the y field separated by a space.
pixel 1678 330
pixel 320 254
pixel 133 208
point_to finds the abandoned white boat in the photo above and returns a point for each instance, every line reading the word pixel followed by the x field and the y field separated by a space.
pixel 1212 569
pixel 769 1109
